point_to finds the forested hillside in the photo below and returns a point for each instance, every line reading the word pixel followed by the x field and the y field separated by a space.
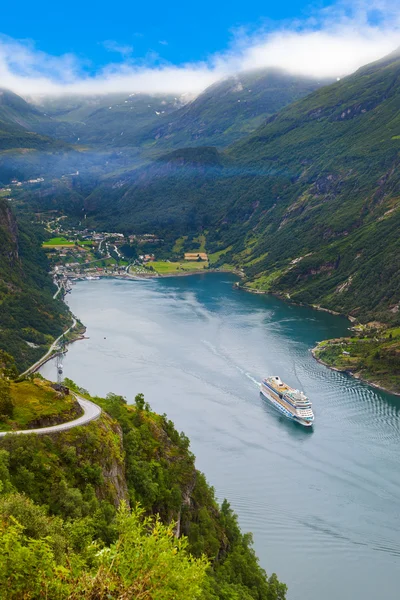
pixel 18 123
pixel 29 317
pixel 308 205
pixel 223 113
pixel 108 120
pixel 228 110
pixel 66 527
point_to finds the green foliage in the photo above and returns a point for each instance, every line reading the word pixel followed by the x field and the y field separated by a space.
pixel 6 401
pixel 374 353
pixel 29 317
pixel 136 455
pixel 34 403
pixel 226 111
pixel 146 561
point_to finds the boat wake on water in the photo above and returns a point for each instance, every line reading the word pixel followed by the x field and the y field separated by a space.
pixel 290 402
pixel 228 359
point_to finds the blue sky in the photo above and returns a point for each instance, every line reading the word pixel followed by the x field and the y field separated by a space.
pixel 178 31
pixel 181 47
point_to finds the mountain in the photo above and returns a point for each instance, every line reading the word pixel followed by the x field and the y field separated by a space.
pixel 106 119
pixel 308 205
pixel 223 113
pixel 29 317
pixel 17 123
pixel 229 109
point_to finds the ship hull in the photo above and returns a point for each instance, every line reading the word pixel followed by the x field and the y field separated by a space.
pixel 286 413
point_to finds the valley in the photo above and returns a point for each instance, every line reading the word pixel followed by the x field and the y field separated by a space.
pixel 267 182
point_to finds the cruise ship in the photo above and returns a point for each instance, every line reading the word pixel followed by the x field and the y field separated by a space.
pixel 292 403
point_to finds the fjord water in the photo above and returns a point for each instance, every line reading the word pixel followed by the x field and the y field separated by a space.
pixel 323 505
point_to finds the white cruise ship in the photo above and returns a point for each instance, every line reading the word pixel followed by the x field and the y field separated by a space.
pixel 292 403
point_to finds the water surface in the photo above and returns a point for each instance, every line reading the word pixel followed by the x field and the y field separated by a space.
pixel 323 505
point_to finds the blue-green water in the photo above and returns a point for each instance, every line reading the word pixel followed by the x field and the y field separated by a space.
pixel 324 506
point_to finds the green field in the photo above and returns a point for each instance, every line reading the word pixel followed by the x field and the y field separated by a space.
pixel 58 241
pixel 166 268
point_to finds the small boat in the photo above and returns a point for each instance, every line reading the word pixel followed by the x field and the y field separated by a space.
pixel 292 403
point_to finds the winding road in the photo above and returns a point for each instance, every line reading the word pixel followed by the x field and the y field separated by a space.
pixel 39 362
pixel 91 412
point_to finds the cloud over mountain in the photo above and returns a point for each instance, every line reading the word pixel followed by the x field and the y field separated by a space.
pixel 334 42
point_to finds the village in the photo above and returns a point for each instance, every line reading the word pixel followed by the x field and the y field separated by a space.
pixel 75 254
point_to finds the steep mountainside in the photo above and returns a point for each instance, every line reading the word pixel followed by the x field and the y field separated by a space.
pixel 309 204
pixel 229 110
pixel 65 491
pixel 29 317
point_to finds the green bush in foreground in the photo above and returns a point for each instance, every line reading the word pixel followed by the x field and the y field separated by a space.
pixel 146 561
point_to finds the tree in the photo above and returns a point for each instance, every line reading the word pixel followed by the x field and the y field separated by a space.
pixel 8 368
pixel 146 561
pixel 6 401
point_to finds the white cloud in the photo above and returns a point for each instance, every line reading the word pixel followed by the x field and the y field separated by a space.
pixel 333 42
pixel 113 46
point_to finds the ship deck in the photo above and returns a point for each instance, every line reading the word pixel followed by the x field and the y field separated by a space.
pixel 280 388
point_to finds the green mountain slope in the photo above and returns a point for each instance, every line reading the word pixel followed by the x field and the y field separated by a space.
pixel 20 123
pixel 230 109
pixel 29 317
pixel 103 120
pixel 333 192
pixel 68 492
pixel 225 112
pixel 309 202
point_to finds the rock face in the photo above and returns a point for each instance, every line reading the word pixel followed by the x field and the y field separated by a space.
pixel 113 470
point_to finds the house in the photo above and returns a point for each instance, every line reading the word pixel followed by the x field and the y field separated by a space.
pixel 196 256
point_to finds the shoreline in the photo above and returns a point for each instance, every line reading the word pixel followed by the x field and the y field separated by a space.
pixel 45 360
pixel 349 372
pixel 155 275
pixel 286 298
pixel 50 354
pixel 353 374
pixel 240 274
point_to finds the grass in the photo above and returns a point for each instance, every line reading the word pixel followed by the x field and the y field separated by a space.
pixel 165 267
pixel 108 261
pixel 215 256
pixel 265 281
pixel 201 240
pixel 58 241
pixel 178 246
pixel 35 400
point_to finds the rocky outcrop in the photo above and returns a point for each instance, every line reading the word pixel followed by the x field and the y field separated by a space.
pixel 68 415
pixel 113 468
